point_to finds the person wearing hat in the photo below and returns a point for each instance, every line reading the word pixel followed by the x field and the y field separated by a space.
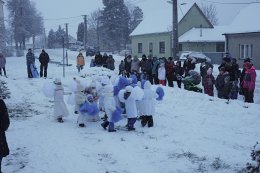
pixel 44 60
pixel 222 84
pixel 60 108
pixel 4 124
pixel 2 63
pixel 249 82
pixel 30 59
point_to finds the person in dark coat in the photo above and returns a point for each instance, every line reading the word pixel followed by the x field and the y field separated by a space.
pixel 178 72
pixel 222 84
pixel 30 59
pixel 111 63
pixel 98 59
pixel 189 64
pixel 4 124
pixel 104 60
pixel 44 60
pixel 122 68
pixel 234 75
pixel 128 62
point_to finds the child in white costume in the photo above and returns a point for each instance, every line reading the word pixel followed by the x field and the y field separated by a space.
pixel 148 105
pixel 60 108
pixel 129 97
pixel 80 98
pixel 109 104
pixel 91 91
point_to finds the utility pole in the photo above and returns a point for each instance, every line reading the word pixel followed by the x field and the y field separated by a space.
pixel 67 36
pixel 175 40
pixel 85 32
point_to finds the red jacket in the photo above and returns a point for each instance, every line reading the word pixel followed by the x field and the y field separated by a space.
pixel 249 79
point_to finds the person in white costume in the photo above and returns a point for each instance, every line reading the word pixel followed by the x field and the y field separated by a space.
pixel 148 105
pixel 109 104
pixel 60 108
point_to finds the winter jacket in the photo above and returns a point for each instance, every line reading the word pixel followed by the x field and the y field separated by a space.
pixel 4 124
pixel 249 79
pixel 148 101
pixel 128 63
pixel 111 63
pixel 2 61
pixel 223 85
pixel 60 108
pixel 156 64
pixel 208 84
pixel 178 71
pixel 30 59
pixel 234 70
pixel 135 65
pixel 80 60
pixel 44 58
pixel 169 67
pixel 122 67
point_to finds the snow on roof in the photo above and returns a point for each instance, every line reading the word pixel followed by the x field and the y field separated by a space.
pixel 208 35
pixel 246 21
pixel 158 16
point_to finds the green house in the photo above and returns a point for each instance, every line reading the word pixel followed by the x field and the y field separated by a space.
pixel 154 34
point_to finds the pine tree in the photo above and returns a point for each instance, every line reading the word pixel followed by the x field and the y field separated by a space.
pixel 59 36
pixel 115 20
pixel 80 33
pixel 51 39
pixel 136 15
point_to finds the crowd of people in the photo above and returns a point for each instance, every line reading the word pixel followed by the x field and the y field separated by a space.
pixel 229 82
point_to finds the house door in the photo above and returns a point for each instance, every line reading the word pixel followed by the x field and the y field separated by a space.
pixel 151 49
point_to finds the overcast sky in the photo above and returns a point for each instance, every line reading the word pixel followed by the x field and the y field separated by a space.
pixel 59 12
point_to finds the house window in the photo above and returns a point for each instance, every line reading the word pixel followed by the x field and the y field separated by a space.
pixel 245 51
pixel 140 48
pixel 220 47
pixel 180 47
pixel 162 47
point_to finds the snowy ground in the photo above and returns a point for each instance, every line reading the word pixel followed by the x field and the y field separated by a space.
pixel 191 133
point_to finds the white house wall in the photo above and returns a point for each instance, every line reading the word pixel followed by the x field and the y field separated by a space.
pixel 154 39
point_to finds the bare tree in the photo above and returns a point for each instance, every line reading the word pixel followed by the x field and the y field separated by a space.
pixel 210 12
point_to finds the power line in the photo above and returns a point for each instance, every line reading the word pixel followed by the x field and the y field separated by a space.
pixel 232 3
pixel 64 18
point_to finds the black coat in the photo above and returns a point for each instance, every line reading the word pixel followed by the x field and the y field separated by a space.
pixel 4 124
pixel 44 58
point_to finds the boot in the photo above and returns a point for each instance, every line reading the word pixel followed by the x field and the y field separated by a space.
pixel 81 125
pixel 105 124
pixel 60 120
pixel 111 127
pixel 144 120
pixel 150 121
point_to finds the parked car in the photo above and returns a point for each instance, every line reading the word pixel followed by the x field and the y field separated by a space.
pixel 199 56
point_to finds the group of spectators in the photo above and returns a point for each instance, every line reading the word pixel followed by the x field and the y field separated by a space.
pixel 106 61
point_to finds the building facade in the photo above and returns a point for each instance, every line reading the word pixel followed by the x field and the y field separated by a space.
pixel 160 43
